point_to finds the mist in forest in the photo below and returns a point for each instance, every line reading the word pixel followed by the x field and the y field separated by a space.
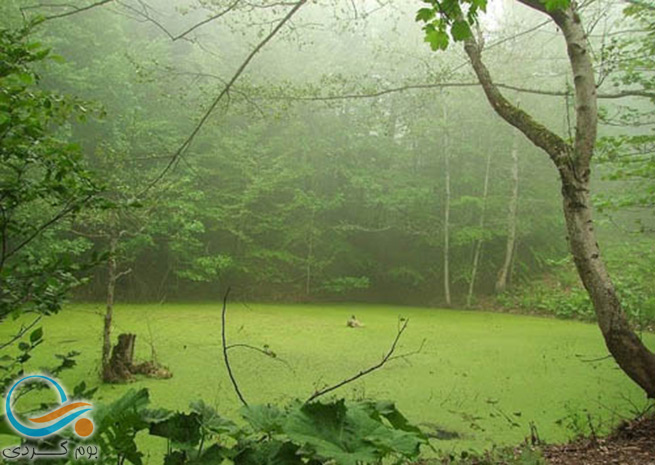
pixel 328 169
pixel 437 154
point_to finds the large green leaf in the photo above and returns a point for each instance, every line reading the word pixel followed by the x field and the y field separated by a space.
pixel 211 456
pixel 118 423
pixel 180 428
pixel 211 421
pixel 126 411
pixel 264 418
pixel 324 431
pixel 350 435
pixel 388 410
pixel 269 453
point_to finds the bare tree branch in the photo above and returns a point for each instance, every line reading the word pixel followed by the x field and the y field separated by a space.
pixel 174 37
pixel 405 356
pixel 594 360
pixel 88 235
pixel 265 351
pixel 123 273
pixel 225 351
pixel 74 9
pixel 185 145
pixel 442 85
pixel 380 364
pixel 208 20
pixel 519 34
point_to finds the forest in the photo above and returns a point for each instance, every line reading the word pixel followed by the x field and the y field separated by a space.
pixel 334 232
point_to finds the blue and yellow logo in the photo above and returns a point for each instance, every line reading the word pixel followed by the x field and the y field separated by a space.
pixel 56 420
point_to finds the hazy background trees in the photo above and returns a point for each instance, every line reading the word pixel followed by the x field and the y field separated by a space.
pixel 322 176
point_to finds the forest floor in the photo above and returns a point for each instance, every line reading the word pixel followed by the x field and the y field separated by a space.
pixel 632 443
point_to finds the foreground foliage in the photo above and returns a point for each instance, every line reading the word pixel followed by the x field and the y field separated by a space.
pixel 338 432
pixel 43 181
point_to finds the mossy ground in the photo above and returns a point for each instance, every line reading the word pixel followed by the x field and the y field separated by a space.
pixel 484 376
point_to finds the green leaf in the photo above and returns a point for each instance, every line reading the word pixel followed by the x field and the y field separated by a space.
pixel 269 453
pixel 36 335
pixel 175 458
pixel 425 14
pixel 350 433
pixel 26 78
pixel 126 411
pixel 211 420
pixel 460 30
pixel 481 4
pixel 210 456
pixel 326 432
pixel 388 410
pixel 437 39
pixel 263 418
pixel 181 428
pixel 552 5
pixel 156 415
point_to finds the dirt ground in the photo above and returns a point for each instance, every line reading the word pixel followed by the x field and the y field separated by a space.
pixel 633 443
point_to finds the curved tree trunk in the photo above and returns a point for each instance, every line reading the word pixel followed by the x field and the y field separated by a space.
pixel 573 163
pixel 623 343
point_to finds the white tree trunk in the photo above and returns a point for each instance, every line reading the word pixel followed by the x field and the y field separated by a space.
pixel 446 227
pixel 512 218
pixel 478 246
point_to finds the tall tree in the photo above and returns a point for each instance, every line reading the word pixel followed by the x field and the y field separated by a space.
pixel 512 219
pixel 446 208
pixel 572 160
pixel 481 233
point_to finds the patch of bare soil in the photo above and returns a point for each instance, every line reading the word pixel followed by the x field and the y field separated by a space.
pixel 633 443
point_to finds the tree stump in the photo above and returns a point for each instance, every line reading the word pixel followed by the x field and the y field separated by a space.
pixel 121 363
pixel 121 366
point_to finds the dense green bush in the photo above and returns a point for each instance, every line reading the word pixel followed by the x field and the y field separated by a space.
pixel 561 294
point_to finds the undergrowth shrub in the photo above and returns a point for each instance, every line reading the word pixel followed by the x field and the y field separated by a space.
pixel 560 293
